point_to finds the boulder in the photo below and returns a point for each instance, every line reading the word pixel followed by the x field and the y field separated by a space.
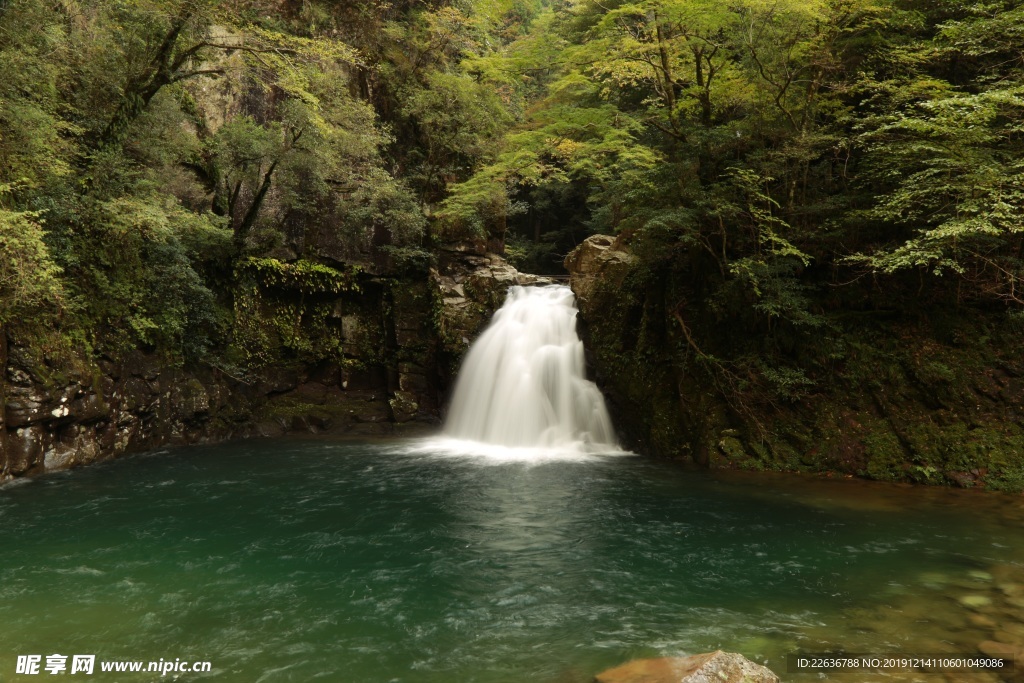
pixel 1012 651
pixel 414 382
pixel 25 448
pixel 403 406
pixel 26 405
pixel 89 408
pixel 710 667
pixel 598 259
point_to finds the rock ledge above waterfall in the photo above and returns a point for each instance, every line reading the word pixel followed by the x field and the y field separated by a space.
pixel 599 258
pixel 470 287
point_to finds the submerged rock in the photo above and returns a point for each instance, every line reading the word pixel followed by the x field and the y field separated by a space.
pixel 710 667
pixel 994 648
pixel 974 601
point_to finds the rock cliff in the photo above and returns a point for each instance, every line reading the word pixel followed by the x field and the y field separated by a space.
pixel 937 398
pixel 400 339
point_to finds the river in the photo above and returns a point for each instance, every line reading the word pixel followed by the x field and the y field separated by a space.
pixel 305 560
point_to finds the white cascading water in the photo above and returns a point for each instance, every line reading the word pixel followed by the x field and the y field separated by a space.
pixel 522 384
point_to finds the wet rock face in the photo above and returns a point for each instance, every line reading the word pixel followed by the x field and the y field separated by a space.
pixel 599 258
pixel 56 420
pixel 53 423
pixel 136 405
pixel 710 667
pixel 469 288
pixel 635 377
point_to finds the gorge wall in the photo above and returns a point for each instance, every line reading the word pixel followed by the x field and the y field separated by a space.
pixel 400 339
pixel 907 400
pixel 935 398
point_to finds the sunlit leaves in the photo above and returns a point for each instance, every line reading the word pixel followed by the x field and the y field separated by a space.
pixel 29 279
pixel 959 180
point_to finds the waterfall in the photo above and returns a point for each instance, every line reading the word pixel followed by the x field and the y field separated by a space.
pixel 522 384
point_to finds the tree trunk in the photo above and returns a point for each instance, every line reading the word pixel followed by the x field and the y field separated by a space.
pixel 158 74
pixel 249 220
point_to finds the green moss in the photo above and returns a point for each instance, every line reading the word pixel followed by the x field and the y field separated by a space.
pixel 289 408
pixel 885 454
pixel 736 455
pixel 775 451
pixel 303 276
pixel 295 313
pixel 760 451
pixel 1006 477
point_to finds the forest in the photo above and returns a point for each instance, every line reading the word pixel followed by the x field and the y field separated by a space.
pixel 805 185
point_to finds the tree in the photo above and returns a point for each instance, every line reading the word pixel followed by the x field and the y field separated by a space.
pixel 947 160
